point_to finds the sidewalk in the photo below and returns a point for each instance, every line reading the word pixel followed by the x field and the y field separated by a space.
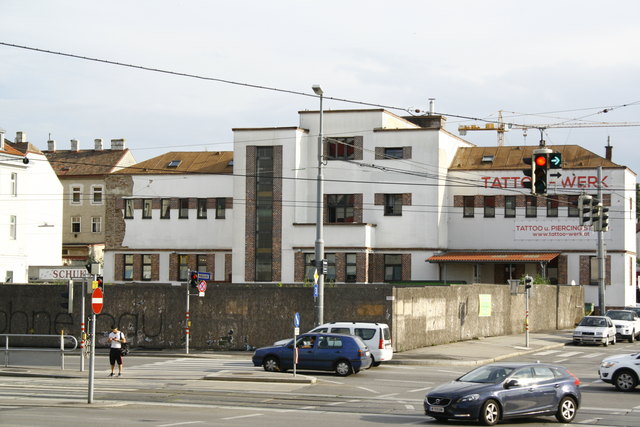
pixel 470 353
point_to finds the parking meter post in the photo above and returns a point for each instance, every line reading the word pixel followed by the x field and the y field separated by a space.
pixel 187 322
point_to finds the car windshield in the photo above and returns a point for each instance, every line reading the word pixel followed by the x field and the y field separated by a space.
pixel 593 321
pixel 487 374
pixel 619 315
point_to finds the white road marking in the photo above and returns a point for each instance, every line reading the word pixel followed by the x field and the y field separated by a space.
pixel 545 353
pixel 419 389
pixel 336 403
pixel 559 360
pixel 409 407
pixel 387 395
pixel 181 424
pixel 588 356
pixel 448 372
pixel 241 416
pixel 369 390
pixel 572 353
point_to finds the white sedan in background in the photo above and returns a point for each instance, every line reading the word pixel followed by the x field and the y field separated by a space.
pixel 622 370
pixel 595 330
pixel 627 323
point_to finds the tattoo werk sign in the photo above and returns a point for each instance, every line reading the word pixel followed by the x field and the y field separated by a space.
pixel 557 230
pixel 573 181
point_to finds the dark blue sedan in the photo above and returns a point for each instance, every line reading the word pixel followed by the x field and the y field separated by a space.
pixel 507 390
pixel 344 354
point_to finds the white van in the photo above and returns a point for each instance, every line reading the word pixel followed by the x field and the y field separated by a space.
pixel 375 335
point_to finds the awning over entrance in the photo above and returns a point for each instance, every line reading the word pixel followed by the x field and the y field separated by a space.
pixel 496 257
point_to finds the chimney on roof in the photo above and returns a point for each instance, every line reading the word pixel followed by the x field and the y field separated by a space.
pixel 21 137
pixel 75 145
pixel 608 149
pixel 1 139
pixel 117 144
pixel 51 145
pixel 98 144
pixel 432 106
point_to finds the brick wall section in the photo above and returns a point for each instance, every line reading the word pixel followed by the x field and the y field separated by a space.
pixel 250 215
pixel 155 267
pixel 585 270
pixel 406 266
pixel 362 267
pixel 276 249
pixel 562 269
pixel 116 186
pixel 563 201
pixel 118 272
pixel 228 258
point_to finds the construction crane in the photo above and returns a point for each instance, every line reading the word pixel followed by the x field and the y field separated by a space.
pixel 501 127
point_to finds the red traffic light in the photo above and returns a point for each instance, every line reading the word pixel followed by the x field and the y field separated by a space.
pixel 541 160
pixel 194 275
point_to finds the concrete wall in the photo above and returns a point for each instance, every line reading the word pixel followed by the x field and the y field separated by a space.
pixel 153 316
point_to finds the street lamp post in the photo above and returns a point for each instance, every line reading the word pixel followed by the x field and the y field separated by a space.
pixel 319 246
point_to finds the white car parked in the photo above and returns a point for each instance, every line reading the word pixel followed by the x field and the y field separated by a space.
pixel 622 370
pixel 595 330
pixel 627 323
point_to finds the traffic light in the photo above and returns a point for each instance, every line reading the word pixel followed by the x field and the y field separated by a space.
pixel 68 298
pixel 604 219
pixel 540 165
pixel 529 172
pixel 596 208
pixel 100 282
pixel 555 160
pixel 584 209
pixel 193 279
pixel 528 281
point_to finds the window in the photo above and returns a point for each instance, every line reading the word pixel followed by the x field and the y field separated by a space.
pixel 392 267
pixel 509 206
pixel 341 148
pixel 552 207
pixel 393 153
pixel 340 207
pixel 202 263
pixel 350 268
pixel 146 208
pixel 75 224
pixel 202 208
pixel 531 206
pixel 76 195
pixel 263 245
pixel 221 206
pixel 393 204
pixel 128 208
pixel 469 207
pixel 174 163
pixel 127 274
pixel 96 224
pixel 572 206
pixel 330 342
pixel 183 267
pixel 165 208
pixel 14 184
pixel 184 209
pixel 146 267
pixel 593 270
pixel 13 222
pixel 489 206
pixel 96 196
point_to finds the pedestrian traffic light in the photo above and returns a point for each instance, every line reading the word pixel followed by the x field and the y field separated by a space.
pixel 68 298
pixel 529 172
pixel 193 279
pixel 584 209
pixel 528 281
pixel 540 165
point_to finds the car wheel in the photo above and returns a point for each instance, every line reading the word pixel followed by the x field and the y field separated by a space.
pixel 441 419
pixel 606 341
pixel 614 340
pixel 343 368
pixel 567 410
pixel 625 380
pixel 490 413
pixel 373 362
pixel 271 364
pixel 632 338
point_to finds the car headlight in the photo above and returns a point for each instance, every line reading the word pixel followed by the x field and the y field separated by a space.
pixel 469 397
pixel 598 334
pixel 607 364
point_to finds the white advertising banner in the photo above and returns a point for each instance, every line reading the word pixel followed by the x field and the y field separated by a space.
pixel 557 230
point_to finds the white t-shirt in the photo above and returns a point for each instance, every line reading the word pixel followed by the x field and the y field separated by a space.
pixel 116 336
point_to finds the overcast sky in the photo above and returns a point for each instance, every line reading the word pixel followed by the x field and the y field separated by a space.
pixel 540 62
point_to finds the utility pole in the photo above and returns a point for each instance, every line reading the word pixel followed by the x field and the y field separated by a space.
pixel 600 253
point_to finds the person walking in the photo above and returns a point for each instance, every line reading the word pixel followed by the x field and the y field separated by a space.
pixel 116 338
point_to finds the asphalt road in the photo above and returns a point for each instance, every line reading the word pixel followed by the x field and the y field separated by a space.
pixel 159 391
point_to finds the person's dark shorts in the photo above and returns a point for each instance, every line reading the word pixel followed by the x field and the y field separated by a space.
pixel 115 355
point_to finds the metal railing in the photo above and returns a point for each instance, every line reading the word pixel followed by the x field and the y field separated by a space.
pixel 61 349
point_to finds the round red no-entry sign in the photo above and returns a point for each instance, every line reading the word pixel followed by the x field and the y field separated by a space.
pixel 96 300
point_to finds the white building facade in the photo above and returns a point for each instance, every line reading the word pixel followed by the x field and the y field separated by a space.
pixel 30 211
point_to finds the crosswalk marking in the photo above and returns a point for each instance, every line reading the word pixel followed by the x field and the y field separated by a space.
pixel 590 355
pixel 546 353
pixel 190 364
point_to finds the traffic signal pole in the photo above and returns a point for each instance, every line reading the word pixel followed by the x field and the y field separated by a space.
pixel 600 254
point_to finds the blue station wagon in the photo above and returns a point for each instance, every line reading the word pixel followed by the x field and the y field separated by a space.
pixel 344 354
